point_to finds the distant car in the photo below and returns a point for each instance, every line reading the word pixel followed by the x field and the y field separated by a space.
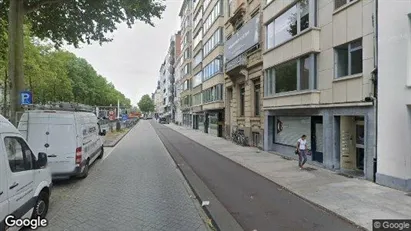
pixel 163 121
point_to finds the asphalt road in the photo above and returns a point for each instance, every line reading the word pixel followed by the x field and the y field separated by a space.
pixel 136 186
pixel 255 202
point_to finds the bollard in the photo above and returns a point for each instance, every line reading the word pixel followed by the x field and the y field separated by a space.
pixel 118 126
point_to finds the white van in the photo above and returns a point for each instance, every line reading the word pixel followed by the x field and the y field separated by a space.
pixel 25 179
pixel 71 139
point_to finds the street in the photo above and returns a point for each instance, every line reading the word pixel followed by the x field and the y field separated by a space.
pixel 255 202
pixel 136 186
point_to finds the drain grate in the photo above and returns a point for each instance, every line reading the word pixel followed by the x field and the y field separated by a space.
pixel 309 169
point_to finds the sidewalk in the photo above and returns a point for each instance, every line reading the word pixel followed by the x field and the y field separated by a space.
pixel 357 200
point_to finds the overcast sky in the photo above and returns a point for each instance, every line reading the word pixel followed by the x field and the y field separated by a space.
pixel 132 61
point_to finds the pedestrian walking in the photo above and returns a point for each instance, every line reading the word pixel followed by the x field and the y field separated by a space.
pixel 302 151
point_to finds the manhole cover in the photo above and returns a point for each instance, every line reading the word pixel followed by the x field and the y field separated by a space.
pixel 309 169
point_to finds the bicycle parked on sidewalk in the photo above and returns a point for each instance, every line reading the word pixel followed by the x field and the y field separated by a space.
pixel 239 137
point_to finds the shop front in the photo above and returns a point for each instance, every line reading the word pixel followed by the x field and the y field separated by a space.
pixel 214 121
pixel 340 139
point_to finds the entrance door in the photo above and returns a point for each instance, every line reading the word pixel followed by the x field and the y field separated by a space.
pixel 220 124
pixel 317 138
pixel 359 145
pixel 206 121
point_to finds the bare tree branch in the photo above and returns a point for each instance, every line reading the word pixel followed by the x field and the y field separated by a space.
pixel 38 5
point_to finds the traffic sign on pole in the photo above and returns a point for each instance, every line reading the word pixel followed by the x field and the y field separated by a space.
pixel 26 98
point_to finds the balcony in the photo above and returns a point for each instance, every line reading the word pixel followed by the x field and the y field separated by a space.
pixel 237 11
pixel 235 64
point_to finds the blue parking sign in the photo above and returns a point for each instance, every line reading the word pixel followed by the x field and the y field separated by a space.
pixel 124 117
pixel 26 98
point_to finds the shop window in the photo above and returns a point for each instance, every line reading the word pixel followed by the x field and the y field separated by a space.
pixel 289 129
pixel 348 59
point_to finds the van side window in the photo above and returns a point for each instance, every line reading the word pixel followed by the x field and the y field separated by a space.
pixel 19 155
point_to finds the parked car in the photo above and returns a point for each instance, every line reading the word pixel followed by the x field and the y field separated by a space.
pixel 25 179
pixel 71 139
pixel 163 121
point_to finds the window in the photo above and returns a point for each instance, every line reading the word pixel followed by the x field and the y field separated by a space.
pixel 288 24
pixel 215 13
pixel 257 99
pixel 19 155
pixel 206 3
pixel 212 68
pixel 197 99
pixel 294 75
pixel 198 18
pixel 348 59
pixel 286 77
pixel 197 80
pixel 187 54
pixel 197 39
pixel 186 69
pixel 340 3
pixel 242 100
pixel 212 94
pixel 289 129
pixel 213 41
pixel 198 58
pixel 304 73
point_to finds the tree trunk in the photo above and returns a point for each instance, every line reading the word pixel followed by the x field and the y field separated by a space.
pixel 6 84
pixel 15 65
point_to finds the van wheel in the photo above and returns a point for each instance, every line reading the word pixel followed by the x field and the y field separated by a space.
pixel 84 174
pixel 101 153
pixel 42 206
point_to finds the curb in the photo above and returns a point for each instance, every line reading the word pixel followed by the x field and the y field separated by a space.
pixel 281 186
pixel 221 219
pixel 114 143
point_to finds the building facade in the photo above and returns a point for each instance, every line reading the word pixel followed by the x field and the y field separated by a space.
pixel 178 83
pixel 185 64
pixel 243 70
pixel 166 83
pixel 208 81
pixel 318 65
pixel 394 94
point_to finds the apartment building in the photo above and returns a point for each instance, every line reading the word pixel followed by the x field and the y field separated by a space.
pixel 319 68
pixel 167 109
pixel 178 83
pixel 186 61
pixel 394 94
pixel 243 69
pixel 208 80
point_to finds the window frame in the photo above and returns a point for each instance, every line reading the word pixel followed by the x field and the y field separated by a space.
pixel 257 99
pixel 215 13
pixel 214 41
pixel 242 99
pixel 200 74
pixel 217 61
pixel 270 78
pixel 349 50
pixel 346 2
pixel 312 17
pixel 199 54
pixel 25 147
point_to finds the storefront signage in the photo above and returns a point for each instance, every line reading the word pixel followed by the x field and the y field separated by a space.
pixel 245 38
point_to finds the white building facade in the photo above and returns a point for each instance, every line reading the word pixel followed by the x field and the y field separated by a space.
pixel 394 94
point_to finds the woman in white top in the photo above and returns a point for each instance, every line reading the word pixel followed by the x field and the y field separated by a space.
pixel 302 150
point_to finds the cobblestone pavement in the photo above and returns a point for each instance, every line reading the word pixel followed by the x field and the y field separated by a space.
pixel 136 187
